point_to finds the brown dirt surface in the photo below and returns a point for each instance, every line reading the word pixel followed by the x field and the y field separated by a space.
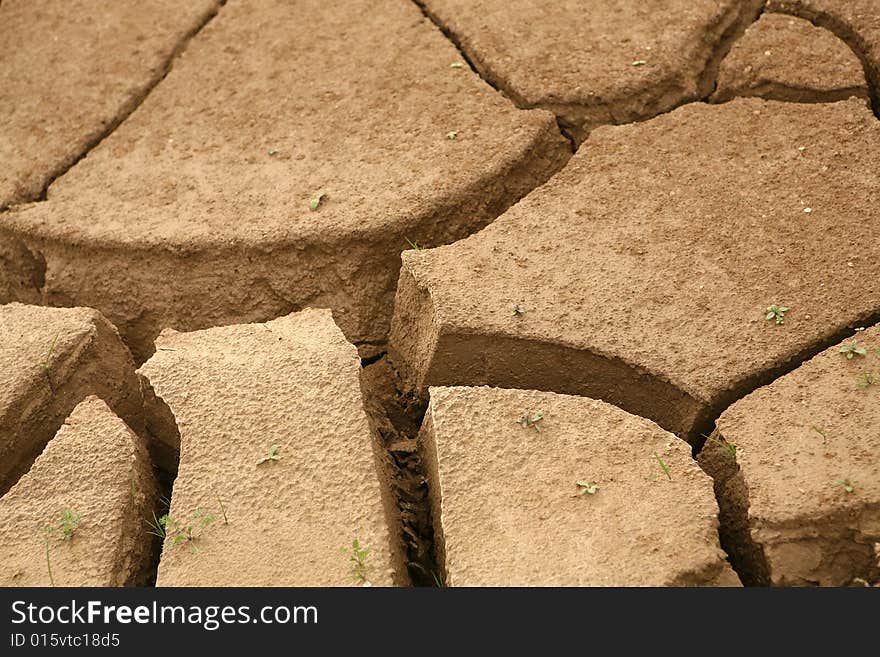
pixel 787 58
pixel 646 266
pixel 50 359
pixel 97 468
pixel 71 71
pixel 787 518
pixel 606 61
pixel 857 22
pixel 506 506
pixel 235 392
pixel 203 195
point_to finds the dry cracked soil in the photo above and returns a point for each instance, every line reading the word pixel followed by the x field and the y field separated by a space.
pixel 440 293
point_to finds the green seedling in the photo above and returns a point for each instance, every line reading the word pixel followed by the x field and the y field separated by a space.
pixel 190 532
pixel 730 448
pixel 822 432
pixel 358 560
pixel 415 245
pixel 47 361
pixel 438 580
pixel 157 526
pixel 776 313
pixel 853 349
pixel 315 203
pixel 67 525
pixel 452 134
pixel 517 310
pixel 586 488
pixel 271 455
pixel 222 510
pixel 867 380
pixel 639 62
pixel 456 65
pixel 663 467
pixel 846 485
pixel 530 419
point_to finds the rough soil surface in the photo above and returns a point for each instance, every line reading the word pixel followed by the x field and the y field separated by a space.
pixel 787 58
pixel 787 517
pixel 644 269
pixel 50 360
pixel 71 71
pixel 95 467
pixel 235 392
pixel 506 506
pixel 857 22
pixel 606 61
pixel 203 195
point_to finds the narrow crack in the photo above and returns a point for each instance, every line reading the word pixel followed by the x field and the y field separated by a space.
pixel 843 31
pixel 128 108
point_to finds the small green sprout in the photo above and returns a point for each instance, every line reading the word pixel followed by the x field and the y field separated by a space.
pixel 530 419
pixel 846 485
pixel 867 380
pixel 222 510
pixel 517 310
pixel 456 65
pixel 452 134
pixel 358 561
pixel 67 525
pixel 157 526
pixel 822 432
pixel 853 349
pixel 188 532
pixel 315 203
pixel 271 455
pixel 586 488
pixel 776 313
pixel 729 447
pixel 663 467
pixel 415 245
pixel 639 62
pixel 44 366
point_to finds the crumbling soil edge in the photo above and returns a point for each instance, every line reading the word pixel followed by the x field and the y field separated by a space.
pixel 789 94
pixel 127 108
pixel 842 31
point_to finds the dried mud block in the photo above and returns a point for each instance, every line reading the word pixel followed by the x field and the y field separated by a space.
pixel 797 472
pixel 94 482
pixel 203 196
pixel 641 273
pixel 50 360
pixel 508 510
pixel 786 58
pixel 73 69
pixel 237 391
pixel 601 62
pixel 857 22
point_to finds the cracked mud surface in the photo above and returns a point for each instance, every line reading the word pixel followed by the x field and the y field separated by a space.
pixel 322 244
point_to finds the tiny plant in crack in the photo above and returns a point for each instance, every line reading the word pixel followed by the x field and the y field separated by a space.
pixel 728 447
pixel 413 244
pixel 357 559
pixel 867 380
pixel 663 467
pixel 776 313
pixel 846 484
pixel 529 419
pixel 517 310
pixel 271 455
pixel 68 523
pixel 586 488
pixel 822 432
pixel 852 350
